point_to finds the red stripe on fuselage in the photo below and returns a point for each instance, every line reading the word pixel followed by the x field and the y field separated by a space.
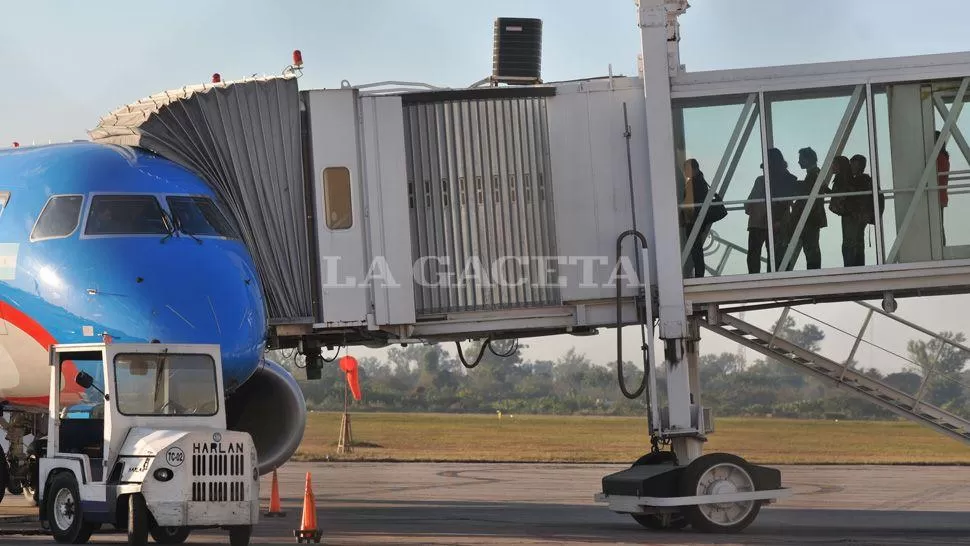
pixel 45 340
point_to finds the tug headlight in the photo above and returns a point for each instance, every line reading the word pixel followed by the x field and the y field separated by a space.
pixel 163 474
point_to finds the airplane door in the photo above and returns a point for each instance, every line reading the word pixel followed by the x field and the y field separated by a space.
pixel 341 229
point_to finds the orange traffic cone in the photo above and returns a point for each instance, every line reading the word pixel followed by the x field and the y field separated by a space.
pixel 274 501
pixel 308 531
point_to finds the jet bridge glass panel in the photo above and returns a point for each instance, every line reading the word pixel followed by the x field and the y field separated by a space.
pixel 723 137
pixel 858 178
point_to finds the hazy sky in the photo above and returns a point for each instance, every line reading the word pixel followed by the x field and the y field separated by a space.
pixel 65 64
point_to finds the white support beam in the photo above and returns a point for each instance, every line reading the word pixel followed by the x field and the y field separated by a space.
pixel 874 169
pixel 929 170
pixel 658 116
pixel 838 144
pixel 766 173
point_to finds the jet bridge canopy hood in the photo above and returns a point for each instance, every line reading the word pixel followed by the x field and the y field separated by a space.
pixel 244 139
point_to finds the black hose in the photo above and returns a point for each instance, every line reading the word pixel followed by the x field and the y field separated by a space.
pixel 481 353
pixel 619 324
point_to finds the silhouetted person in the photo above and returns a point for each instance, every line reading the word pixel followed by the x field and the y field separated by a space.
pixel 809 239
pixel 856 210
pixel 782 186
pixel 943 179
pixel 695 192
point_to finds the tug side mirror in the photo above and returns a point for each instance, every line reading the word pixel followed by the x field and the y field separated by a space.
pixel 84 379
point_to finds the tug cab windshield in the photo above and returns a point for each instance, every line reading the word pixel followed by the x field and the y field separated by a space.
pixel 166 384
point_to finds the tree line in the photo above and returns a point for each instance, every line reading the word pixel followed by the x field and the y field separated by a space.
pixel 426 378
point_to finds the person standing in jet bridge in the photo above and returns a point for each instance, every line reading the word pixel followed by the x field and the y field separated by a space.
pixel 696 190
pixel 782 189
pixel 809 239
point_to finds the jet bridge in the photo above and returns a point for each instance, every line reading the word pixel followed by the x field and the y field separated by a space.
pixel 397 213
pixel 447 214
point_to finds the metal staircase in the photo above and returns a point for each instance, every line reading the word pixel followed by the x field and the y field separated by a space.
pixel 901 403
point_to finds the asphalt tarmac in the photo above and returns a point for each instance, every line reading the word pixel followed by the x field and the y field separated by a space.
pixel 471 504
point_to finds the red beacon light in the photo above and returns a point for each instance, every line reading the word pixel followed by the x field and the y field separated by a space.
pixel 216 78
pixel 16 144
pixel 297 58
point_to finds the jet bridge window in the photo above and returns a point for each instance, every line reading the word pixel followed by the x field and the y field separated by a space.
pixel 59 218
pixel 125 215
pixel 199 216
pixel 337 201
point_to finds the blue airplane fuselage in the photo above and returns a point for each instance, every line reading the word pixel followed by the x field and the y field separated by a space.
pixel 180 286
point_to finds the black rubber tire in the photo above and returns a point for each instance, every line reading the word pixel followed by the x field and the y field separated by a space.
pixel 170 535
pixel 688 488
pixel 655 522
pixel 79 532
pixel 137 520
pixel 656 457
pixel 239 535
pixel 4 474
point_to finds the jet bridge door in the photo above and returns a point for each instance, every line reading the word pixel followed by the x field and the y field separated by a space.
pixel 341 226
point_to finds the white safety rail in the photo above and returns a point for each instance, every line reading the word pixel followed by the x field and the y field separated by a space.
pixel 914 406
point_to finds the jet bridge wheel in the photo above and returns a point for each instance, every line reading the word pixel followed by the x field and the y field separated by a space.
pixel 661 522
pixel 718 474
pixel 666 521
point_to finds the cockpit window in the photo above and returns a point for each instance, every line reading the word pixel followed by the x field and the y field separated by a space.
pixel 199 216
pixel 59 218
pixel 125 215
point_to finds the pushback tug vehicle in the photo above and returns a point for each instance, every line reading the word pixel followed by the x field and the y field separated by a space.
pixel 153 455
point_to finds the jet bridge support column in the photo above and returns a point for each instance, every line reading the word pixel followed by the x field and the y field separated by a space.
pixel 659 36
pixel 717 492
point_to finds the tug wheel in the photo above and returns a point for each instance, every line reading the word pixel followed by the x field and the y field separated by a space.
pixel 4 474
pixel 718 474
pixel 64 511
pixel 170 535
pixel 137 520
pixel 239 535
pixel 661 522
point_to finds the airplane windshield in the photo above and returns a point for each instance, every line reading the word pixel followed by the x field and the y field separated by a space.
pixel 125 215
pixel 199 216
pixel 153 384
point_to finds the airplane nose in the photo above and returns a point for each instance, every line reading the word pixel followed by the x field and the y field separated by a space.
pixel 183 292
pixel 221 304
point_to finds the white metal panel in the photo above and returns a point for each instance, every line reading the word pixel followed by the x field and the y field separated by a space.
pixel 808 76
pixel 592 199
pixel 333 131
pixel 385 182
pixel 907 137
